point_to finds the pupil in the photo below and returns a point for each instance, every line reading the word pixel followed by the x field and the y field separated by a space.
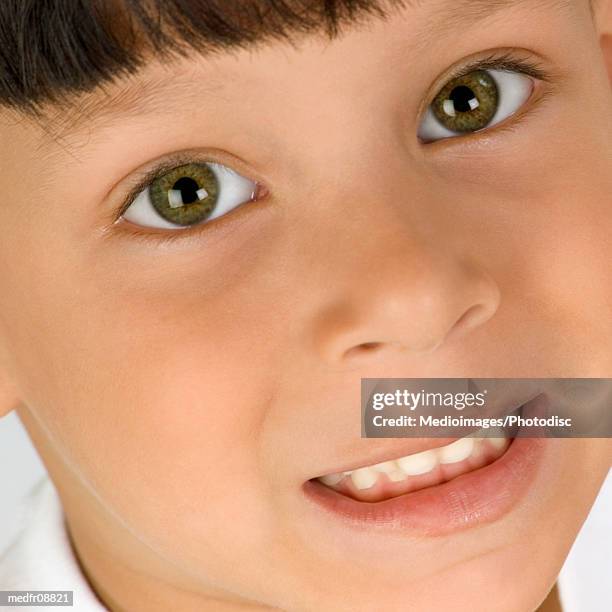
pixel 188 188
pixel 461 97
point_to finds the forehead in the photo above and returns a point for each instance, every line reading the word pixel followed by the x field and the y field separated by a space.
pixel 161 82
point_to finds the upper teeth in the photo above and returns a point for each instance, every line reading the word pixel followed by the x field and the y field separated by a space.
pixel 414 465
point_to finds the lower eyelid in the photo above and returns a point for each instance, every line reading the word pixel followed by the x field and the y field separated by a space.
pixel 231 190
pixel 539 92
pixel 484 141
pixel 159 237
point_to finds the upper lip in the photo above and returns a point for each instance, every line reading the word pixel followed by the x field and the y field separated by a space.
pixel 395 448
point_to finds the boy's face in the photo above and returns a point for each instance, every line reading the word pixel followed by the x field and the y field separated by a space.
pixel 182 392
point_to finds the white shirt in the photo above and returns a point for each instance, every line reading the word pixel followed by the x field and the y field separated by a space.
pixel 41 558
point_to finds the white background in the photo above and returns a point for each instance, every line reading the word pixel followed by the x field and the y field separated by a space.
pixel 586 579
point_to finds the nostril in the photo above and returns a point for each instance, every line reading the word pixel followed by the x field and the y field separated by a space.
pixel 364 347
pixel 368 346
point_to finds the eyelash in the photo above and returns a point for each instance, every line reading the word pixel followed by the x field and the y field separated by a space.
pixel 507 61
pixel 161 238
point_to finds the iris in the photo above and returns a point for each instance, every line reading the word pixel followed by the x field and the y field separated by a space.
pixel 467 103
pixel 185 195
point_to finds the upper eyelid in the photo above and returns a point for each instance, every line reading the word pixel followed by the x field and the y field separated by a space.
pixel 518 60
pixel 143 180
pixel 504 62
pixel 536 102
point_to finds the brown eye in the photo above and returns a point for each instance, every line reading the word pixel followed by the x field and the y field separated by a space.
pixel 190 194
pixel 186 195
pixel 474 102
pixel 467 103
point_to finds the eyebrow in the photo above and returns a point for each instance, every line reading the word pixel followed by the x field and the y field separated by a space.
pixel 481 9
pixel 136 96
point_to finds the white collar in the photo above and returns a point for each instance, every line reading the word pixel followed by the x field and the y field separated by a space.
pixel 41 556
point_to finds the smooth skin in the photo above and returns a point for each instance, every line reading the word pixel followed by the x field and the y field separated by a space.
pixel 180 393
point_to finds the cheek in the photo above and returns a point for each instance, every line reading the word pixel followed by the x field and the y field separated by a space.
pixel 155 395
pixel 541 221
pixel 563 270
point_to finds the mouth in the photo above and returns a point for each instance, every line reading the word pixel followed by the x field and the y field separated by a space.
pixel 396 477
pixel 471 480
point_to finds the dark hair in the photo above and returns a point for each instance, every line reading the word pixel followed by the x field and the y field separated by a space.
pixel 52 48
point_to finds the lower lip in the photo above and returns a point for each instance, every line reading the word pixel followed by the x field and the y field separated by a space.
pixel 476 498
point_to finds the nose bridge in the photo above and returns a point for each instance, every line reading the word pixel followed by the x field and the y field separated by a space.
pixel 393 274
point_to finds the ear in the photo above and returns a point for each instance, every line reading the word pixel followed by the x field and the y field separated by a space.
pixel 603 21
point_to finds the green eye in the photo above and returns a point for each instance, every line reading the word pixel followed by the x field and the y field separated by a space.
pixel 190 194
pixel 477 100
pixel 185 195
pixel 467 103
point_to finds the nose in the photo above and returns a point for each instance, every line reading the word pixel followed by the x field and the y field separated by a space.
pixel 405 292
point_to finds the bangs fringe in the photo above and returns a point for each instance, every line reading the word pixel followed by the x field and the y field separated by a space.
pixel 51 49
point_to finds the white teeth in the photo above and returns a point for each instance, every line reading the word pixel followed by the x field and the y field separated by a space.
pixel 421 463
pixel 331 479
pixel 500 440
pixel 499 443
pixel 458 451
pixel 364 478
pixel 386 467
pixel 397 476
